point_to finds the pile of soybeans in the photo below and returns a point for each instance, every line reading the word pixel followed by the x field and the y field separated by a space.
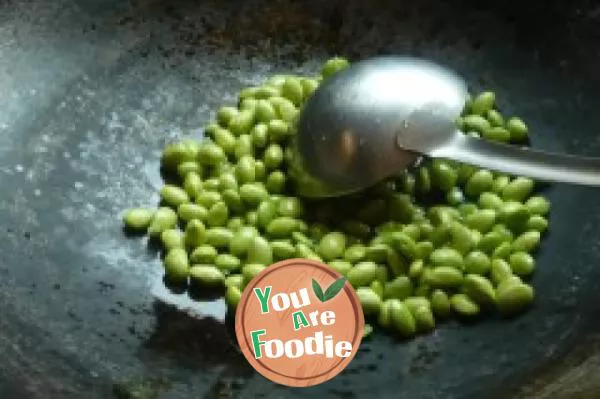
pixel 441 239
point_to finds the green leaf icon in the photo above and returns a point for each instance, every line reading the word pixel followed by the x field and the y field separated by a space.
pixel 318 290
pixel 334 289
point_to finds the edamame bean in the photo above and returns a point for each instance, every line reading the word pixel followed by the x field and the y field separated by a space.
pixel 333 66
pixel 253 193
pixel 464 306
pixel 278 130
pixel 173 195
pixel 164 218
pixel 281 227
pixel 332 246
pixel 234 280
pixel 369 301
pixel 480 289
pixel 443 175
pixel 243 121
pixel 208 198
pixel 218 237
pixel 260 251
pixel 273 156
pixel 476 123
pixel 265 213
pixel 497 133
pixel 521 263
pixel 416 268
pixel 210 153
pixel 192 184
pixel 400 288
pixel 500 270
pixel 290 207
pixel 447 257
pixel 518 189
pixel 445 276
pixel 341 266
pixel 518 129
pixel 514 215
pixel 282 249
pixel 195 234
pixel 489 200
pixel 537 223
pixel 227 263
pixel 276 181
pixel 401 318
pixel 362 274
pixel 477 262
pixel 483 103
pixel 203 254
pixel 260 135
pixel 233 296
pixel 479 182
pixel 177 265
pixel 232 200
pixel 514 298
pixel 440 304
pixel 207 275
pixel 251 270
pixel 225 114
pixel 502 251
pixel 245 170
pixel 172 239
pixel 186 167
pixel 526 242
pixel 538 205
pixel 482 220
pixel 138 218
pixel 292 90
pixel 377 253
pixel 241 240
pixel 217 215
pixel 495 118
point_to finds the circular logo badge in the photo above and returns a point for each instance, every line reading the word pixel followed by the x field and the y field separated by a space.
pixel 299 323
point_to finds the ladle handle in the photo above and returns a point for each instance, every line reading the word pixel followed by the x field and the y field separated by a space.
pixel 520 161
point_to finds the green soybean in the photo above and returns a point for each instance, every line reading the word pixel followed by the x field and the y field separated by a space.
pixel 207 275
pixel 227 263
pixel 362 274
pixel 521 263
pixel 176 265
pixel 514 298
pixel 479 182
pixel 203 254
pixel 259 251
pixel 518 129
pixel 332 246
pixel 341 266
pixel 518 189
pixel 440 304
pixel 464 306
pixel 483 103
pixel 477 262
pixel 164 218
pixel 500 270
pixel 218 237
pixel 401 318
pixel 173 195
pixel 447 257
pixel 172 239
pixel 138 218
pixel 538 205
pixel 480 289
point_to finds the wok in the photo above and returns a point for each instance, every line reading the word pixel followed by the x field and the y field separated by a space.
pixel 90 91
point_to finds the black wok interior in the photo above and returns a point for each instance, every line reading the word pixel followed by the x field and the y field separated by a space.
pixel 91 90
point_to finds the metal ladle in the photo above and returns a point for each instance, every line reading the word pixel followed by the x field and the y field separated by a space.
pixel 380 115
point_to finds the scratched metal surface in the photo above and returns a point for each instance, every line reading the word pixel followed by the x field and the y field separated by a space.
pixel 91 90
